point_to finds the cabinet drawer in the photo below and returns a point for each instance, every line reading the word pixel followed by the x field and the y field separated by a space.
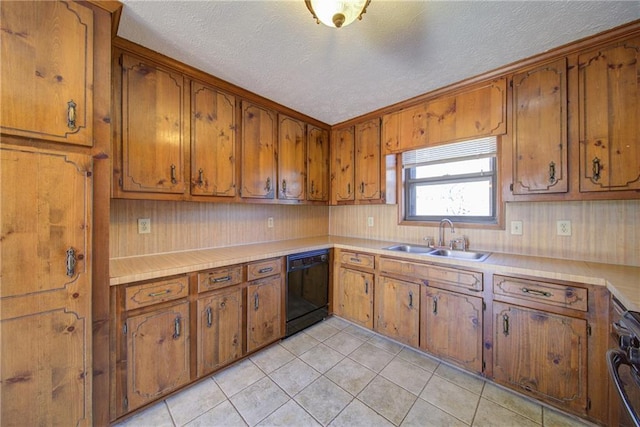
pixel 219 278
pixel 266 268
pixel 155 292
pixel 548 293
pixel 457 278
pixel 404 268
pixel 357 259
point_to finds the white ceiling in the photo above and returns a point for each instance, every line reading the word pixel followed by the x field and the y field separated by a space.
pixel 399 50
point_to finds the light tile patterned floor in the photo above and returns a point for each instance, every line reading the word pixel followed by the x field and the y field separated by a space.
pixel 338 374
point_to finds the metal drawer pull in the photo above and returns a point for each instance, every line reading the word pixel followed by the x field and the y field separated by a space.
pixel 435 305
pixel 200 177
pixel 71 262
pixel 362 187
pixel 71 115
pixel 552 172
pixel 410 299
pixel 596 168
pixel 173 174
pixel 366 287
pixel 505 325
pixel 313 187
pixel 176 328
pixel 355 260
pixel 209 317
pixel 349 188
pixel 157 294
pixel 265 270
pixel 267 186
pixel 284 186
pixel 219 279
pixel 256 302
pixel 536 292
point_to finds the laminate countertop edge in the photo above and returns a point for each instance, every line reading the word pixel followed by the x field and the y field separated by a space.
pixel 622 281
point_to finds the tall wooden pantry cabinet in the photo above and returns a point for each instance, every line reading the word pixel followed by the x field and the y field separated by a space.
pixel 55 135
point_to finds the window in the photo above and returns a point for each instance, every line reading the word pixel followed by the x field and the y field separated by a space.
pixel 456 181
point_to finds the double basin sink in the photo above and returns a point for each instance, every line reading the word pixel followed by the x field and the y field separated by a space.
pixel 439 252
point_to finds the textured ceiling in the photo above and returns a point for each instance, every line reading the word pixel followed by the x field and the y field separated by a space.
pixel 399 50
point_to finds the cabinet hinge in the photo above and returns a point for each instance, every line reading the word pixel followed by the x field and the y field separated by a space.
pixel 588 329
pixel 510 83
pixel 124 329
pixel 120 60
pixel 484 308
pixel 511 187
pixel 484 365
pixel 125 403
pixel 120 182
pixel 588 404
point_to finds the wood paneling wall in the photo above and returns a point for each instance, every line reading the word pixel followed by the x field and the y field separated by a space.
pixel 180 226
pixel 602 231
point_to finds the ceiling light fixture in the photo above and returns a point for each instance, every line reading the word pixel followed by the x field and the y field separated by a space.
pixel 337 13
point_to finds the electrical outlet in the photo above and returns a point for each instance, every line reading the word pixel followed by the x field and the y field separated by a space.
pixel 516 228
pixel 270 222
pixel 370 221
pixel 144 225
pixel 563 227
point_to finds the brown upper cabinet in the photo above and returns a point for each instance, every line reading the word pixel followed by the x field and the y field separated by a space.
pixel 259 127
pixel 52 43
pixel 342 165
pixel 152 127
pixel 405 129
pixel 540 129
pixel 291 158
pixel 609 111
pixel 213 142
pixel 368 170
pixel 317 164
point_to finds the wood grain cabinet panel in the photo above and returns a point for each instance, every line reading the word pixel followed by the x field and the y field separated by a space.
pixel 292 143
pixel 541 354
pixel 368 165
pixel 45 304
pixel 47 89
pixel 259 127
pixel 264 312
pixel 397 310
pixel 152 128
pixel 213 142
pixel 476 112
pixel 317 164
pixel 164 332
pixel 452 327
pixel 343 165
pixel 609 121
pixel 354 296
pixel 405 129
pixel 540 129
pixel 219 329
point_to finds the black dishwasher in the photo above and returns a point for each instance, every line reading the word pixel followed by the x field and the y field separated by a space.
pixel 307 289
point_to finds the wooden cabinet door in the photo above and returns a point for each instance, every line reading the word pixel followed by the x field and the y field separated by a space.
pixel 152 128
pixel 540 129
pixel 291 158
pixel 45 303
pixel 317 164
pixel 542 354
pixel 609 104
pixel 476 112
pixel 343 165
pixel 258 151
pixel 157 353
pixel 219 326
pixel 354 299
pixel 397 310
pixel 368 171
pixel 47 89
pixel 452 327
pixel 264 312
pixel 405 129
pixel 213 142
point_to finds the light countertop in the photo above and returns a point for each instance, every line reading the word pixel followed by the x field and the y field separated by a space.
pixel 622 281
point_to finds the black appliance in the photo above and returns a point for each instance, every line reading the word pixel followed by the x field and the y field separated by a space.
pixel 624 368
pixel 307 289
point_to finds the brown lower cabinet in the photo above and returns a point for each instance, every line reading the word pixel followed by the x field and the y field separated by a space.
pixel 264 312
pixel 397 310
pixel 541 353
pixel 353 296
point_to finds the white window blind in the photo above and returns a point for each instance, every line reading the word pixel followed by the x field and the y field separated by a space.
pixel 472 149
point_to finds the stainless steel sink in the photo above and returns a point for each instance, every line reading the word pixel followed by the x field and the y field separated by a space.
pixel 471 256
pixel 412 249
pixel 442 253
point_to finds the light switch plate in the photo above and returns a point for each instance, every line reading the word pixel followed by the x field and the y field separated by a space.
pixel 370 221
pixel 516 228
pixel 563 227
pixel 144 225
pixel 270 222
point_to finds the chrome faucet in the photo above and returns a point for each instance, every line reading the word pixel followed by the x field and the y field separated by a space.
pixel 441 231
